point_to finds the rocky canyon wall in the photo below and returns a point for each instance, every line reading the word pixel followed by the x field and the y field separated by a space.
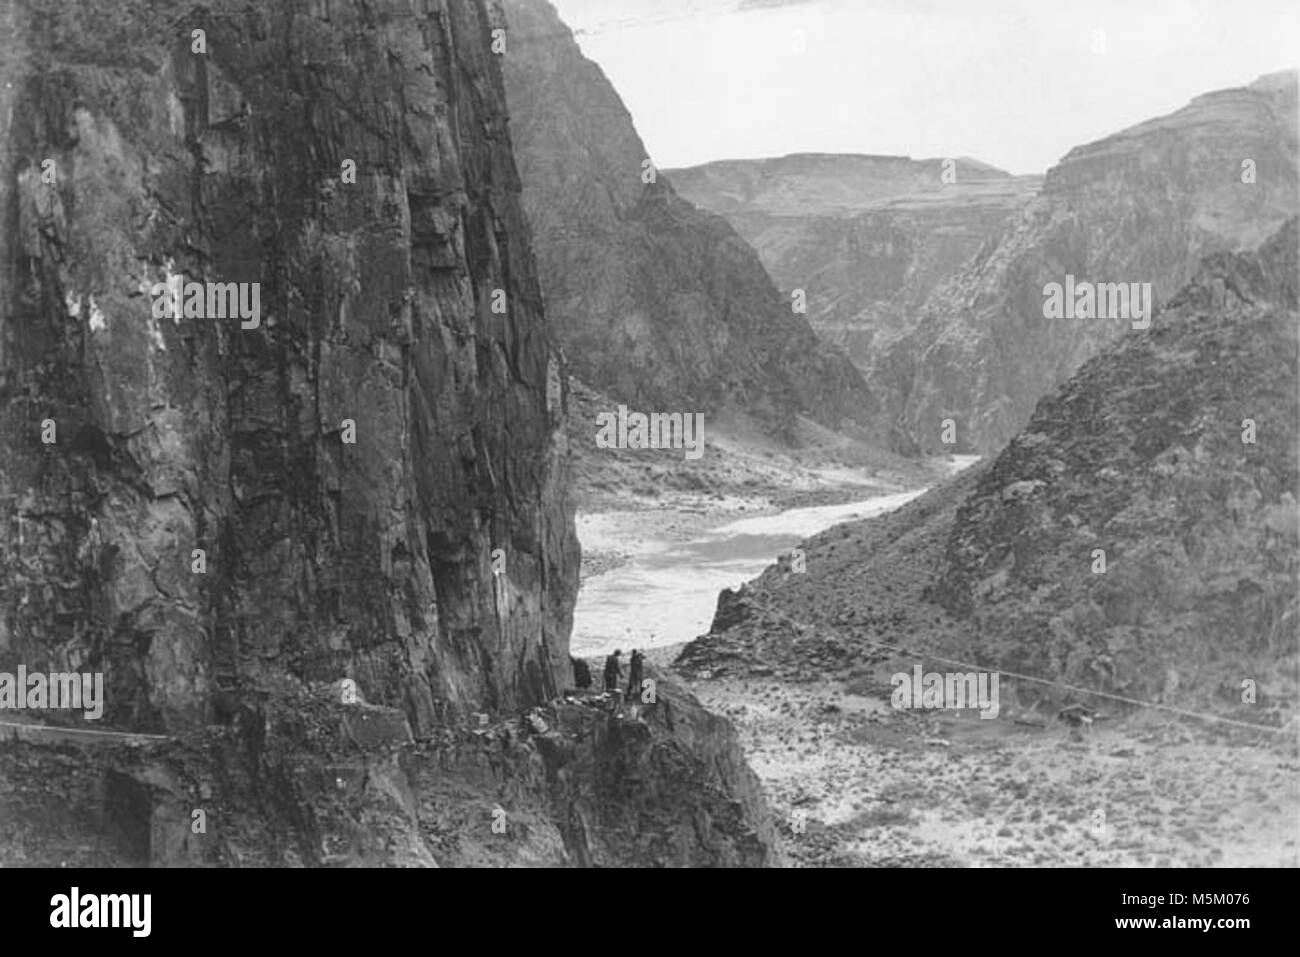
pixel 1142 206
pixel 654 301
pixel 348 466
pixel 361 478
pixel 866 237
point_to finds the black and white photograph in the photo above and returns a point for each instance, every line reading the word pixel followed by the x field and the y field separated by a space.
pixel 650 434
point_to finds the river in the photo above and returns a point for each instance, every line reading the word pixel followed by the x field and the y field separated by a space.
pixel 667 591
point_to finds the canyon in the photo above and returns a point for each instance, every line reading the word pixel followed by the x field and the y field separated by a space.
pixel 654 301
pixel 328 563
pixel 935 287
pixel 326 560
pixel 868 238
pixel 1184 644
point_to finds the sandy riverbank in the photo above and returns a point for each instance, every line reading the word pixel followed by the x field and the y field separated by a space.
pixel 879 787
pixel 854 782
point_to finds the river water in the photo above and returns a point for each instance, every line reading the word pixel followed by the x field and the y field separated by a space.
pixel 667 591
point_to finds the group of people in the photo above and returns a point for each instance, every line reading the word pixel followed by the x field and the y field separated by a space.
pixel 613 673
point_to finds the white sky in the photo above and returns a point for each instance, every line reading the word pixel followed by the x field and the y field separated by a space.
pixel 1014 83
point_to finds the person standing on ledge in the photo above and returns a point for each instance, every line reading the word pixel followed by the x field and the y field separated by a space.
pixel 613 672
pixel 634 674
pixel 581 673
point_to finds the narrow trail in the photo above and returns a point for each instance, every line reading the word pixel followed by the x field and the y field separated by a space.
pixel 48 734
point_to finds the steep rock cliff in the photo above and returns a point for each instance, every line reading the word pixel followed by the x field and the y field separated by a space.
pixel 655 302
pixel 1140 454
pixel 1144 205
pixel 308 782
pixel 867 237
pixel 1173 457
pixel 323 558
pixel 133 439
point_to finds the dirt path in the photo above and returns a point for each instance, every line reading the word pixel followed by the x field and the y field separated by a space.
pixel 35 733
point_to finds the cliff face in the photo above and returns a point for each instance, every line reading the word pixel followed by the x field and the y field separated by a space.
pixel 655 302
pixel 1176 454
pixel 310 782
pixel 1140 454
pixel 347 464
pixel 868 237
pixel 323 557
pixel 1144 205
